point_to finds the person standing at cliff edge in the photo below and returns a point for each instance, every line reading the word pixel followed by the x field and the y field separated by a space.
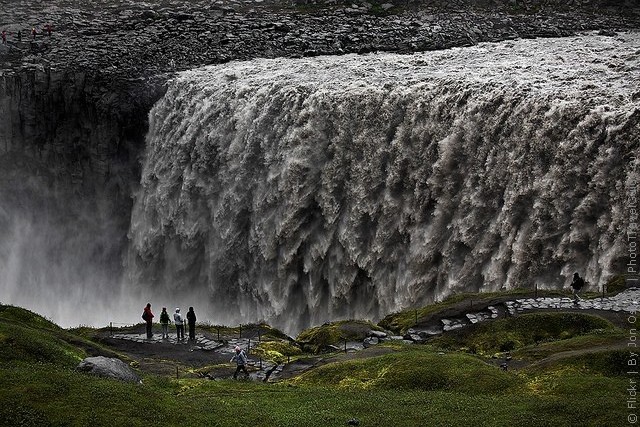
pixel 164 322
pixel 147 316
pixel 191 319
pixel 177 319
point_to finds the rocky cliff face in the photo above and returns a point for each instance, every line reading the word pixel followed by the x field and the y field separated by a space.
pixel 68 160
pixel 74 103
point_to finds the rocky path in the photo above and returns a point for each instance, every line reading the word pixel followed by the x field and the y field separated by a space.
pixel 615 308
pixel 163 356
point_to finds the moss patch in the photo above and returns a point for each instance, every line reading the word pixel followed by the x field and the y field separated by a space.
pixel 413 370
pixel 276 351
pixel 515 333
pixel 320 338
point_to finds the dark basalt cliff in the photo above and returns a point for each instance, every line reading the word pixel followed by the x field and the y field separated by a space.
pixel 78 99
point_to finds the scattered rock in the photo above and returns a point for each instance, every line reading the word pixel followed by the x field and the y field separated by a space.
pixel 108 367
pixel 378 334
pixel 369 341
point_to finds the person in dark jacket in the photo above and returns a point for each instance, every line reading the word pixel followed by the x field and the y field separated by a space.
pixel 147 316
pixel 164 322
pixel 191 320
pixel 577 284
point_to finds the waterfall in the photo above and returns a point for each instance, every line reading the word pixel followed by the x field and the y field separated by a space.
pixel 304 190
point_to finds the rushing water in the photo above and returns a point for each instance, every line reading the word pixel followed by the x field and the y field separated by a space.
pixel 303 190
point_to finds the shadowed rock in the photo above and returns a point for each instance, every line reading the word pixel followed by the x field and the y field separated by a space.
pixel 108 368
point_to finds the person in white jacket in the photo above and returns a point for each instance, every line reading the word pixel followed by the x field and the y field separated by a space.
pixel 241 360
pixel 177 319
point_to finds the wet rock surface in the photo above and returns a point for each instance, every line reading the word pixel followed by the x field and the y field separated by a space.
pixel 76 95
pixel 130 39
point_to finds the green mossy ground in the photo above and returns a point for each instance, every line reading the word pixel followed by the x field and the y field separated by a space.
pixel 320 338
pixel 411 385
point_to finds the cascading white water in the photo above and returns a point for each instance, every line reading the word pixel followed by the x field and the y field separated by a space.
pixel 303 190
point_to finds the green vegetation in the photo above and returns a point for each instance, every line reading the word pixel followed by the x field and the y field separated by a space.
pixel 28 337
pixel 611 363
pixel 276 351
pixel 594 339
pixel 413 369
pixel 528 329
pixel 320 338
pixel 617 284
pixel 403 320
pixel 574 380
pixel 253 330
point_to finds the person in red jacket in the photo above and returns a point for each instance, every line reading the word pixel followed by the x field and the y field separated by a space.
pixel 147 316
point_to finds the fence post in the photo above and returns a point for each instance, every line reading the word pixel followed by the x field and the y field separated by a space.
pixel 536 291
pixel 249 345
pixel 110 328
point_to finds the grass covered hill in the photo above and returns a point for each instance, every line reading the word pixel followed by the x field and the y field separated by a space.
pixel 567 370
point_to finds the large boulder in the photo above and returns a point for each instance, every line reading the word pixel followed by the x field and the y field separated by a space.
pixel 109 368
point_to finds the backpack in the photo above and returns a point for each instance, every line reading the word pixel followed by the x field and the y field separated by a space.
pixel 577 283
pixel 144 315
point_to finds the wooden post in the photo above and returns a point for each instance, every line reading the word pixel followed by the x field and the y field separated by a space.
pixel 249 345
pixel 259 338
pixel 110 328
pixel 536 291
